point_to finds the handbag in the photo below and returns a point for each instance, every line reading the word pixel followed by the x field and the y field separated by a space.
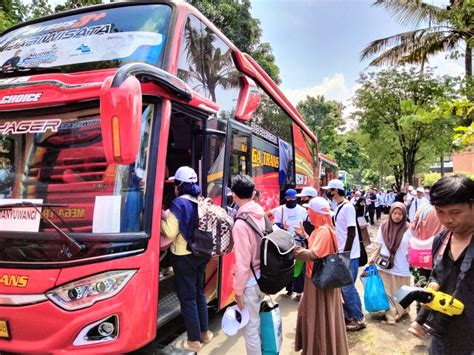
pixel 384 261
pixel 333 271
pixel 270 327
pixel 419 253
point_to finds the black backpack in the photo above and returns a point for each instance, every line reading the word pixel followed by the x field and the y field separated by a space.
pixel 277 257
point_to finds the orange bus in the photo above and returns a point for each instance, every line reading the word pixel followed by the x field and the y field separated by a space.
pixel 98 107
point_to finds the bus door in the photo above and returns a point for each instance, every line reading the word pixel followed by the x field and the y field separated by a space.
pixel 237 161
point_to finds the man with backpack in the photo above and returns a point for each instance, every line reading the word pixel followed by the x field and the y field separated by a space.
pixel 347 238
pixel 247 259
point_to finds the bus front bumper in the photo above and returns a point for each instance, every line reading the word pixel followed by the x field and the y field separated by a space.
pixel 120 324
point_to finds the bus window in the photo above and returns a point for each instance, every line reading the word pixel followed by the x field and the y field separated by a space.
pixel 216 79
pixel 99 39
pixel 271 117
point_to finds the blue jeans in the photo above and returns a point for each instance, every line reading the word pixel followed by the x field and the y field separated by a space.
pixel 352 305
pixel 189 278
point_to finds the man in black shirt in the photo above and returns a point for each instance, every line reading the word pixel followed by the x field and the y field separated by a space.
pixel 453 254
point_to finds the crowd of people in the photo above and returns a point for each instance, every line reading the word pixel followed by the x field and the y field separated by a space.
pixel 334 221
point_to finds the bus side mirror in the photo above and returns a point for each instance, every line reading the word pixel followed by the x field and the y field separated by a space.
pixel 120 117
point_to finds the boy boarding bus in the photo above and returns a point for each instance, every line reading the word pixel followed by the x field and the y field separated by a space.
pixel 98 107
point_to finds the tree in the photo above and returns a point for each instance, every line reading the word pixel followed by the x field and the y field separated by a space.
pixel 397 112
pixel 322 117
pixel 446 29
pixel 234 19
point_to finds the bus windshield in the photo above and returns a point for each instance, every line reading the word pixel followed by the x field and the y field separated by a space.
pixel 59 159
pixel 94 40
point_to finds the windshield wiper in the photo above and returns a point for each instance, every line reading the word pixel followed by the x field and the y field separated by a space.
pixel 22 69
pixel 74 245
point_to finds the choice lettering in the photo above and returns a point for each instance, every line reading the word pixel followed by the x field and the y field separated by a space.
pixel 14 99
pixel 13 280
pixel 21 127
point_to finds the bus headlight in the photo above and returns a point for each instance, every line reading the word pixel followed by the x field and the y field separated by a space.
pixel 85 292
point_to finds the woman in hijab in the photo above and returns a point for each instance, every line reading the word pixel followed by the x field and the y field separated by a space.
pixel 320 327
pixel 393 239
pixel 179 224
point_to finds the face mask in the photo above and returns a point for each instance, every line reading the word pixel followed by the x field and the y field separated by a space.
pixel 329 194
pixel 291 204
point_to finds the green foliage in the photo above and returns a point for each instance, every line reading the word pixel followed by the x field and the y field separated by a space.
pixel 398 109
pixel 76 4
pixel 448 29
pixel 323 117
pixel 429 179
pixel 234 19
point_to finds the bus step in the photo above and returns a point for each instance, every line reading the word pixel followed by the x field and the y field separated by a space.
pixel 168 309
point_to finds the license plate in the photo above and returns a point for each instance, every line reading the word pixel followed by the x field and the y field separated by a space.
pixel 4 333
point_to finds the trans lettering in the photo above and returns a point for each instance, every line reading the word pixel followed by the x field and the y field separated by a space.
pixel 22 127
pixel 13 280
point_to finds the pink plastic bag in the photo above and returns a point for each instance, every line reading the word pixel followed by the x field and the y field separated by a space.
pixel 419 253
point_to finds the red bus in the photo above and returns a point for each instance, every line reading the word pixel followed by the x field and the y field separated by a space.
pixel 98 107
pixel 328 169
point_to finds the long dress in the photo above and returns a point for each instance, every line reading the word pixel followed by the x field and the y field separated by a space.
pixel 320 327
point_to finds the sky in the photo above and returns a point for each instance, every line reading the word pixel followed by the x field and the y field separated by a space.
pixel 317 44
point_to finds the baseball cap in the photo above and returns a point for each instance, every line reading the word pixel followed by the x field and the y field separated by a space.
pixel 308 191
pixel 410 188
pixel 420 189
pixel 290 194
pixel 320 205
pixel 234 319
pixel 185 174
pixel 334 184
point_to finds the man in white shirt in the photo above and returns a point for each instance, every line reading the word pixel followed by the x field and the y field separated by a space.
pixel 348 240
pixel 289 215
pixel 416 202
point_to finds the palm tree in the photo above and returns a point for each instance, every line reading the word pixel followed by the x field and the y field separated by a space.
pixel 447 29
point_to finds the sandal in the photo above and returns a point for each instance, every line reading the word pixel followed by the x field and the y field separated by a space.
pixel 182 345
pixel 354 326
pixel 418 331
pixel 210 335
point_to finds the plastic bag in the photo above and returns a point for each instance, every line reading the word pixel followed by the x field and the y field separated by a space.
pixel 375 297
pixel 270 328
pixel 299 267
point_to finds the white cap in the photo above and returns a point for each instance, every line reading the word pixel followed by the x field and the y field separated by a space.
pixel 420 189
pixel 412 192
pixel 234 319
pixel 308 191
pixel 320 205
pixel 410 188
pixel 185 174
pixel 334 184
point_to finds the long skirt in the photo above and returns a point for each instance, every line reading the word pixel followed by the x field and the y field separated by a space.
pixel 392 283
pixel 320 327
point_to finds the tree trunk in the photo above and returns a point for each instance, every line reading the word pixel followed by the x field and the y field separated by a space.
pixel 468 61
pixel 441 161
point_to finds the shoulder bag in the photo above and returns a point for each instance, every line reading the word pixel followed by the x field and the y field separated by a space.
pixel 332 271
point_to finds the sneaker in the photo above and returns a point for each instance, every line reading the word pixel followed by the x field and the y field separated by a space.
pixel 297 297
pixel 289 294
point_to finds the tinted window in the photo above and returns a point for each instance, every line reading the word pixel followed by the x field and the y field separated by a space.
pixel 272 118
pixel 205 63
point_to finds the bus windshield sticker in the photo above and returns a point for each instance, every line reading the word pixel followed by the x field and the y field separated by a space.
pixel 19 219
pixel 107 214
pixel 88 44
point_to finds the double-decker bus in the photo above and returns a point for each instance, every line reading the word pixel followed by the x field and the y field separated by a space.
pixel 98 107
